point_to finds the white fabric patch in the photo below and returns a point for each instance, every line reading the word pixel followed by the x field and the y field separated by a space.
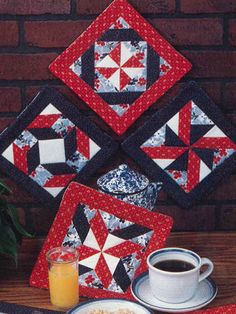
pixel 112 241
pixel 132 72
pixel 111 261
pixel 163 163
pixel 91 241
pixel 93 148
pixel 126 54
pixel 173 123
pixel 115 79
pixel 215 132
pixel 52 151
pixel 107 62
pixel 54 191
pixel 8 154
pixel 91 261
pixel 204 171
pixel 50 109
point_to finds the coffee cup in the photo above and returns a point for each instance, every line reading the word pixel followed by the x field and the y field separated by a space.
pixel 174 273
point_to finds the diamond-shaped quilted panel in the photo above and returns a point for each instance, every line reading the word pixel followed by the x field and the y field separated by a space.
pixel 189 145
pixel 113 240
pixel 120 65
pixel 51 144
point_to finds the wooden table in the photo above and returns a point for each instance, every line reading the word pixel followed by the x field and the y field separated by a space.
pixel 220 247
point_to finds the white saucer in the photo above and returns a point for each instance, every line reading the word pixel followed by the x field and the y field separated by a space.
pixel 141 291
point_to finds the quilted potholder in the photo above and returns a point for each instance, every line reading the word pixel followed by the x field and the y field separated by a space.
pixel 188 145
pixel 227 309
pixel 113 239
pixel 50 144
pixel 120 65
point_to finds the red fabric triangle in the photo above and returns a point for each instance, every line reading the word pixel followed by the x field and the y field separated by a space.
pixel 107 72
pixel 115 54
pixel 133 62
pixel 124 79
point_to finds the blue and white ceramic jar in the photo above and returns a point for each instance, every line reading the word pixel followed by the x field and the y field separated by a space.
pixel 130 186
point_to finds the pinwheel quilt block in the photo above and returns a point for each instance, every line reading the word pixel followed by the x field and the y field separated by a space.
pixel 189 145
pixel 113 239
pixel 50 144
pixel 120 65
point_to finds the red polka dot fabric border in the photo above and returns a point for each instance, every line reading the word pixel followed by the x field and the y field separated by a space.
pixel 49 145
pixel 227 309
pixel 113 239
pixel 120 66
pixel 188 145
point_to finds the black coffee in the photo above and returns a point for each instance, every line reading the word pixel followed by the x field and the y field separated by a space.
pixel 174 266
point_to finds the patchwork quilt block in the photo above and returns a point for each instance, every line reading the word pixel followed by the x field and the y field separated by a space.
pixel 120 65
pixel 51 144
pixel 188 145
pixel 113 239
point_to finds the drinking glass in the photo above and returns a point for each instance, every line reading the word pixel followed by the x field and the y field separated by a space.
pixel 63 276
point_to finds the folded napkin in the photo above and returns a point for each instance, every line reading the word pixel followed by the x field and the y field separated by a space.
pixel 10 308
pixel 227 309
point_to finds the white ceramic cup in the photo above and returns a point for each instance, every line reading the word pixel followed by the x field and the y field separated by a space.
pixel 176 287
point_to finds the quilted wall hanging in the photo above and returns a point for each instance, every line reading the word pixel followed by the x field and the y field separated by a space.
pixel 188 145
pixel 113 239
pixel 50 144
pixel 120 65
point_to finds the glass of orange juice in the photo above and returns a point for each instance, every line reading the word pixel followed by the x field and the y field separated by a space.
pixel 63 276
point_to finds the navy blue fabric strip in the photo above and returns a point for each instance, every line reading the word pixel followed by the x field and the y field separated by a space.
pixel 121 277
pixel 120 98
pixel 70 144
pixel 81 223
pixel 153 66
pixel 180 163
pixel 44 133
pixel 197 131
pixel 130 232
pixel 205 155
pixel 33 158
pixel 83 269
pixel 88 67
pixel 59 168
pixel 120 35
pixel 172 138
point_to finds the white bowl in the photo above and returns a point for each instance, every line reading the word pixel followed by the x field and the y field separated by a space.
pixel 109 305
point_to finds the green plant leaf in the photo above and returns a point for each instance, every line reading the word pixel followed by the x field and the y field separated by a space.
pixel 14 217
pixel 8 243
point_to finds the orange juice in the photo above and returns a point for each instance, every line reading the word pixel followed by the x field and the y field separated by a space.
pixel 63 277
pixel 63 285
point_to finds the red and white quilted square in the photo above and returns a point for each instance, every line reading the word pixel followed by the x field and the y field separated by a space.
pixel 113 239
pixel 120 65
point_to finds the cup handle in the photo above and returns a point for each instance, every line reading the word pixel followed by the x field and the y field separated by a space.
pixel 208 271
